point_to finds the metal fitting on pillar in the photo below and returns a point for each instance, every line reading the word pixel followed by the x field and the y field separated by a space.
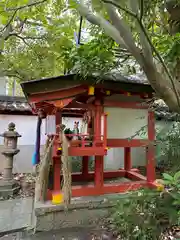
pixel 7 185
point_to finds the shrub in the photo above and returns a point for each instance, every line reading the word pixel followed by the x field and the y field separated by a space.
pixel 77 164
pixel 168 149
pixel 144 215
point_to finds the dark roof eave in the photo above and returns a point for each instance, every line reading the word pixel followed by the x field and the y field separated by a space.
pixel 16 112
pixel 47 79
pixel 42 85
pixel 6 98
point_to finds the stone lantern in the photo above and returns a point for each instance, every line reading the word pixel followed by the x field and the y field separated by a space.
pixel 8 186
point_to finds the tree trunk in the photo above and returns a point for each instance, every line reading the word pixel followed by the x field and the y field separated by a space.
pixel 173 9
pixel 177 70
pixel 162 86
pixel 118 29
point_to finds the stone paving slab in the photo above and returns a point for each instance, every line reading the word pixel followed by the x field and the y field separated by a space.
pixel 15 214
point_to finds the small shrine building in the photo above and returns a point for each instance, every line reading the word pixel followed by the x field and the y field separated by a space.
pixel 113 112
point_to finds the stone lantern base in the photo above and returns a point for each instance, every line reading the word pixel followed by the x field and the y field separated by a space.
pixel 8 188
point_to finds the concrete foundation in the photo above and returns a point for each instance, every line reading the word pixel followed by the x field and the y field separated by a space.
pixel 83 212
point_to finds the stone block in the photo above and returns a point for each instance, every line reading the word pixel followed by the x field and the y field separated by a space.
pixel 8 188
pixel 81 213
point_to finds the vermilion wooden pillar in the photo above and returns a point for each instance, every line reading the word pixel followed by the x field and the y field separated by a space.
pixel 150 151
pixel 99 171
pixel 85 167
pixel 127 159
pixel 57 160
pixel 99 160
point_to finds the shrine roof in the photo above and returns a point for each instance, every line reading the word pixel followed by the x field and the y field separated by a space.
pixel 138 84
pixel 162 112
pixel 14 105
pixel 19 106
pixel 133 83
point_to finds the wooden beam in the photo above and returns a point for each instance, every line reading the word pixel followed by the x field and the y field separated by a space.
pixel 132 105
pixel 86 151
pixel 135 176
pixel 150 154
pixel 113 143
pixel 126 86
pixel 75 104
pixel 127 159
pixel 60 94
pixel 61 103
pixel 78 177
pixel 91 190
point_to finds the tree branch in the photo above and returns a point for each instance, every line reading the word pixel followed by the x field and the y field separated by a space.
pixel 27 44
pixel 21 25
pixel 24 6
pixel 162 25
pixel 14 75
pixel 16 35
pixel 141 9
pixel 9 22
pixel 163 64
pixel 11 33
pixel 125 32
pixel 131 13
pixel 149 42
pixel 7 29
pixel 33 37
pixel 146 48
pixel 100 21
pixel 32 23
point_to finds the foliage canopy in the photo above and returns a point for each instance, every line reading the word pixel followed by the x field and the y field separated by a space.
pixel 132 36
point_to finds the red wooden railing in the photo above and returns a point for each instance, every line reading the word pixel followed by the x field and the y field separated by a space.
pixel 83 141
pixel 85 144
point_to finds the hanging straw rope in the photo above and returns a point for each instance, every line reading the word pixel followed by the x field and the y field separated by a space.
pixel 66 168
pixel 44 166
pixel 43 170
pixel 83 127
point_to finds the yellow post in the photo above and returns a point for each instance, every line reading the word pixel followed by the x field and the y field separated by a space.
pixel 57 198
pixel 91 90
pixel 108 92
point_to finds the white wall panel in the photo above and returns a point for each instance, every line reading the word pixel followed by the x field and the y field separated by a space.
pixel 125 123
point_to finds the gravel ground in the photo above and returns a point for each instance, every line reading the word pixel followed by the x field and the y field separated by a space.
pixel 27 183
pixel 70 234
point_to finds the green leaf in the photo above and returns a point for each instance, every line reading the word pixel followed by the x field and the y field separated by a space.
pixel 177 176
pixel 4 19
pixel 167 176
pixel 24 2
pixel 1 44
pixel 176 202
